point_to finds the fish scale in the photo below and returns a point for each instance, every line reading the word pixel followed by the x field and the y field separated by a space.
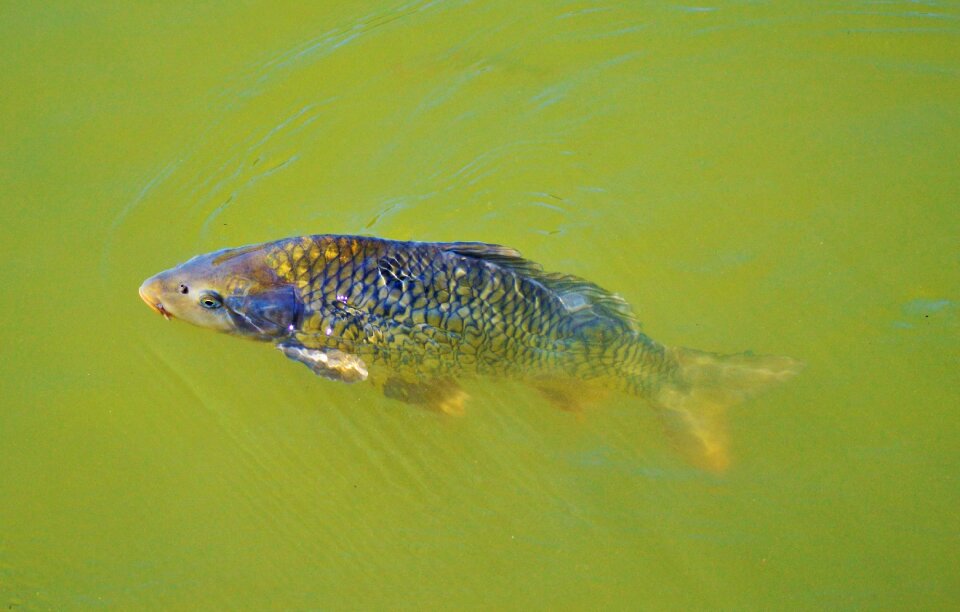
pixel 473 307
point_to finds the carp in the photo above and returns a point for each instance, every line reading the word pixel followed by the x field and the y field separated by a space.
pixel 416 317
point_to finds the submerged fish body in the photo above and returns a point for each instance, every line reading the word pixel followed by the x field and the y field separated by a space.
pixel 417 316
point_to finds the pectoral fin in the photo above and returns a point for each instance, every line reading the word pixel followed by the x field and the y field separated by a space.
pixel 327 362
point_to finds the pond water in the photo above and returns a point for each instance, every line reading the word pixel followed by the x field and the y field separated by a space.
pixel 775 177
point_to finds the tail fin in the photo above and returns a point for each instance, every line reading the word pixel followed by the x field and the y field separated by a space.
pixel 694 408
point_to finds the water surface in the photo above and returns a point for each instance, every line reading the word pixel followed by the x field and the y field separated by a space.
pixel 775 177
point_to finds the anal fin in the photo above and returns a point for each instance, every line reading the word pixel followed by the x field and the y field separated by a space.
pixel 571 395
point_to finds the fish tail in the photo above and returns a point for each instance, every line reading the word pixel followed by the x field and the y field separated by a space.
pixel 693 400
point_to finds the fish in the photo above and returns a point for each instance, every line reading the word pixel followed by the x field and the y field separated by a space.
pixel 416 318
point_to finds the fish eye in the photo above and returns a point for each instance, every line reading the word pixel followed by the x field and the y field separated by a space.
pixel 184 289
pixel 210 300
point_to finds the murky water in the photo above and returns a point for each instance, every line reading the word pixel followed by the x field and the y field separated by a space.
pixel 775 177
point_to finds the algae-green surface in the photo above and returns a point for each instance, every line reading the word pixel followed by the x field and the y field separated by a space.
pixel 776 177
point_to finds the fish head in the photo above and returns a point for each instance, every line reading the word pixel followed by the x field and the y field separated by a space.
pixel 232 291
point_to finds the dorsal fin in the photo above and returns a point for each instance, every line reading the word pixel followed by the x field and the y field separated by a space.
pixel 494 253
pixel 578 294
pixel 580 297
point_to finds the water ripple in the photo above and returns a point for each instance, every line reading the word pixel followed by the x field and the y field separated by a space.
pixel 331 40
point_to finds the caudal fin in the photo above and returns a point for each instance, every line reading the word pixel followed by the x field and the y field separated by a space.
pixel 694 407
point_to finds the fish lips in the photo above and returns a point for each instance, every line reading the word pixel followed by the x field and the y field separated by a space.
pixel 154 304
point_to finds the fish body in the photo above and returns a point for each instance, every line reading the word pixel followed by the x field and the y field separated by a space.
pixel 426 309
pixel 418 316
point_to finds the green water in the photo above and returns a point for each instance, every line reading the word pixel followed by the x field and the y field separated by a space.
pixel 776 177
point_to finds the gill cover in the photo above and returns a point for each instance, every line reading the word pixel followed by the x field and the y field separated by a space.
pixel 266 314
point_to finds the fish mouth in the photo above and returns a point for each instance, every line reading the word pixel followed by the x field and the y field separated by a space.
pixel 155 304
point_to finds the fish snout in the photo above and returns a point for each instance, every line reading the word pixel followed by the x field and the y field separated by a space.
pixel 149 296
